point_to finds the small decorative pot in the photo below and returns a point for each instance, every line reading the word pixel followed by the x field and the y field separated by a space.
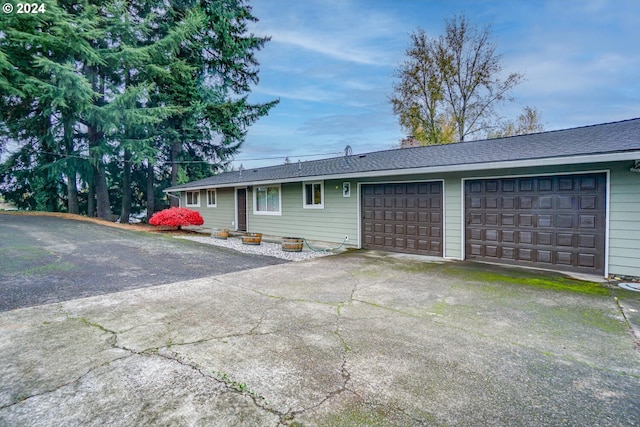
pixel 220 233
pixel 252 238
pixel 292 244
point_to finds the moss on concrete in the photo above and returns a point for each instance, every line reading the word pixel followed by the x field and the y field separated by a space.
pixel 543 279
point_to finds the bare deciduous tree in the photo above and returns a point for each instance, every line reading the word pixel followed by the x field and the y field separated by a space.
pixel 449 86
pixel 529 121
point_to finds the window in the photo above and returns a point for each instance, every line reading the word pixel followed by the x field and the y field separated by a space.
pixel 211 198
pixel 266 200
pixel 313 193
pixel 193 198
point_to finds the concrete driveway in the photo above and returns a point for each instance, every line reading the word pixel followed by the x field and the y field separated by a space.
pixel 357 339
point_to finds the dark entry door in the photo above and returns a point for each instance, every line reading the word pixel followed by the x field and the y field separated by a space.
pixel 555 222
pixel 403 217
pixel 242 209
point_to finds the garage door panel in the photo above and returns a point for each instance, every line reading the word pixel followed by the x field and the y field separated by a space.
pixel 586 260
pixel 545 184
pixel 587 241
pixel 545 221
pixel 551 221
pixel 545 202
pixel 508 236
pixel 544 257
pixel 407 217
pixel 544 238
pixel 508 253
pixel 508 202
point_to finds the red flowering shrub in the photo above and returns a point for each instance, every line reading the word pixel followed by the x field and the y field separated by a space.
pixel 176 217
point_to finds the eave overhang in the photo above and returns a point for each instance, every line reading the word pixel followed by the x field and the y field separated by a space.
pixel 466 167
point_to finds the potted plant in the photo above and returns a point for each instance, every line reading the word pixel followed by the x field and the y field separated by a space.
pixel 252 238
pixel 292 244
pixel 220 233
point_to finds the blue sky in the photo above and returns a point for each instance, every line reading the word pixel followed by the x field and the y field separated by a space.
pixel 331 64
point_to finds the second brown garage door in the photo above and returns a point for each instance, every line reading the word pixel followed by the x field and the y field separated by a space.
pixel 403 217
pixel 555 222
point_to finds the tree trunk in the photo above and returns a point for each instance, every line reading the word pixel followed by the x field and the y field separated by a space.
pixel 73 206
pixel 102 193
pixel 95 139
pixel 126 188
pixel 175 150
pixel 91 200
pixel 150 193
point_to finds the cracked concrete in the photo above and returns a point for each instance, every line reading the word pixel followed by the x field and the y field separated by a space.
pixel 356 339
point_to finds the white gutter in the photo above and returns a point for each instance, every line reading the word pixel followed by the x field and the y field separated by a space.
pixel 555 161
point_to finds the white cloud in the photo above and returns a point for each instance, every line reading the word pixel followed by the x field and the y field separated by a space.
pixel 341 30
pixel 325 44
pixel 301 93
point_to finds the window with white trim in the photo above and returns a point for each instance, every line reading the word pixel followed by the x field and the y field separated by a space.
pixel 193 198
pixel 313 195
pixel 211 198
pixel 267 200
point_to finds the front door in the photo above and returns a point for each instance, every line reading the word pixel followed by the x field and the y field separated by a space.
pixel 242 209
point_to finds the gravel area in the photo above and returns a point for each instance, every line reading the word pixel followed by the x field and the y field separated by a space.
pixel 264 248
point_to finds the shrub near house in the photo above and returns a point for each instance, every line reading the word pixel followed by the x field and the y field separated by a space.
pixel 176 217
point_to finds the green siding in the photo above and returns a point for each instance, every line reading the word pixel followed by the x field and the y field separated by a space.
pixel 339 217
pixel 624 221
pixel 221 216
pixel 453 218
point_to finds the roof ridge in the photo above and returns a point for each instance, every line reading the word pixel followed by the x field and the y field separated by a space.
pixel 586 141
pixel 440 145
pixel 507 137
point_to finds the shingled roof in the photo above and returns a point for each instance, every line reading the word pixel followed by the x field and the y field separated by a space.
pixel 602 142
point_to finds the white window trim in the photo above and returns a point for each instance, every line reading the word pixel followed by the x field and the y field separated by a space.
pixel 186 199
pixel 255 200
pixel 304 195
pixel 212 205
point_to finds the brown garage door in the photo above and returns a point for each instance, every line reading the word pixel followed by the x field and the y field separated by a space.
pixel 555 222
pixel 404 217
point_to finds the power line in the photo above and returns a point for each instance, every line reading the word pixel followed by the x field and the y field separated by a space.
pixel 83 157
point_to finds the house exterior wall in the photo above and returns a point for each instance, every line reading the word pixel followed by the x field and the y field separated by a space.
pixel 624 224
pixel 340 215
pixel 221 216
pixel 338 218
